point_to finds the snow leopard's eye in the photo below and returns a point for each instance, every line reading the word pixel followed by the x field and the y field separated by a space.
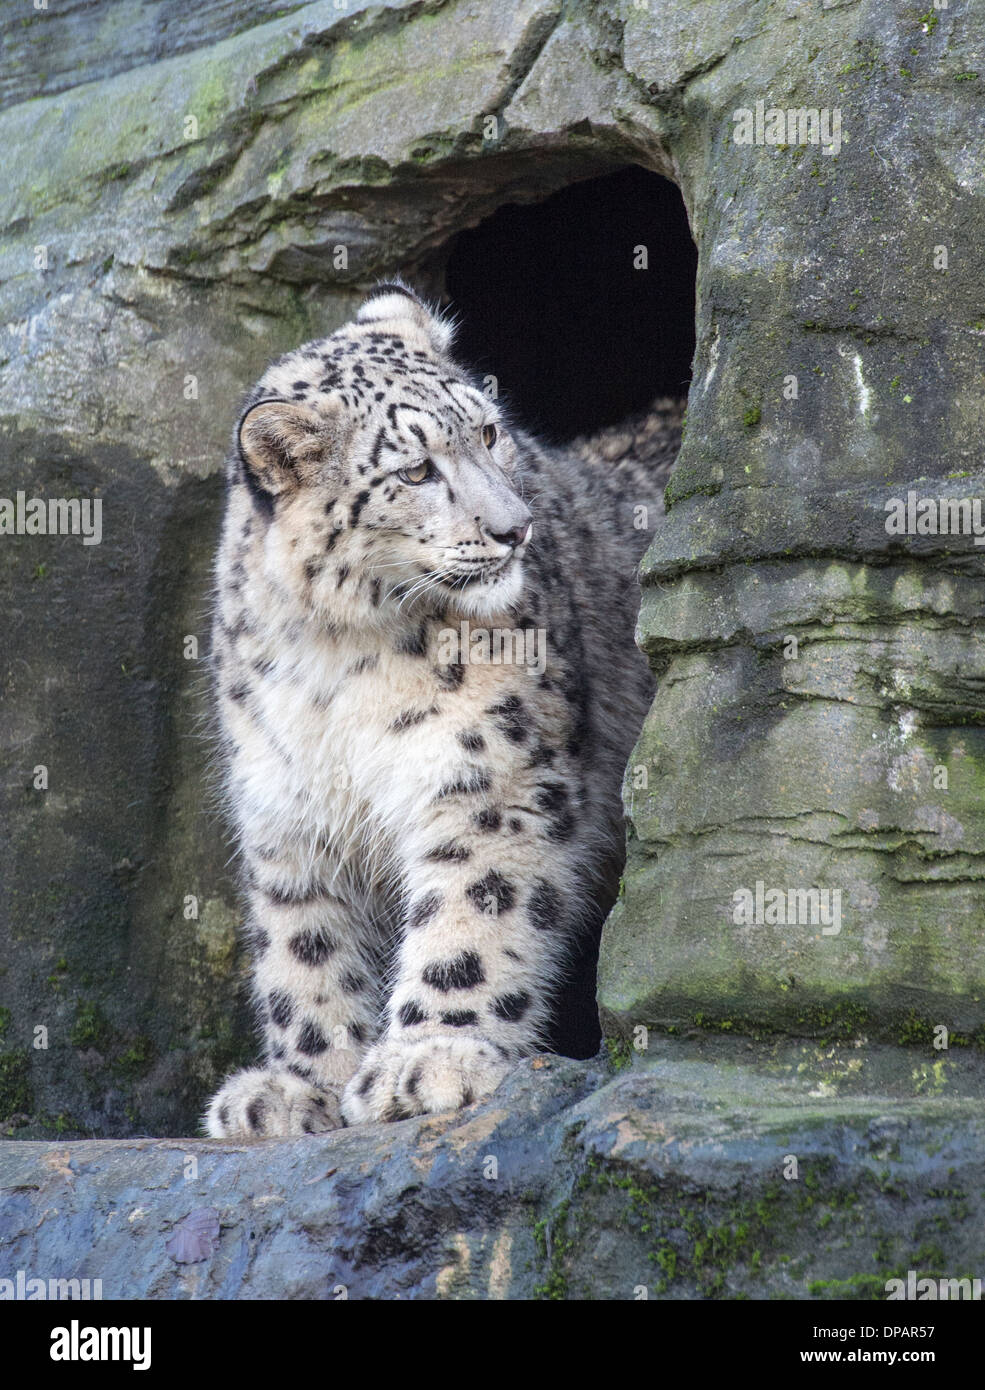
pixel 417 473
pixel 489 435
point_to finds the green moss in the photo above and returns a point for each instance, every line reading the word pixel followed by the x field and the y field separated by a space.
pixel 4 1022
pixel 553 1244
pixel 713 1246
pixel 867 1286
pixel 16 1097
pixel 915 1029
pixel 91 1028
pixel 620 1052
pixel 841 1021
pixel 56 980
pixel 751 417
pixel 136 1060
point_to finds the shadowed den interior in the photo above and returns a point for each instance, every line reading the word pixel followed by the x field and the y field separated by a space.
pixel 552 303
pixel 550 300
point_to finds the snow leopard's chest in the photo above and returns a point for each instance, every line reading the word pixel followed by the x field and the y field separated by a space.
pixel 367 734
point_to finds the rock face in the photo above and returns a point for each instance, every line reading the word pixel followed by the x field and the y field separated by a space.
pixel 695 1175
pixel 820 722
pixel 188 193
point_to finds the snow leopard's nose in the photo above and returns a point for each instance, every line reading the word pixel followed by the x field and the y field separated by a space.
pixel 516 537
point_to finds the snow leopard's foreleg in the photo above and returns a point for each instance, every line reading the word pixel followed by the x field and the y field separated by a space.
pixel 490 895
pixel 316 998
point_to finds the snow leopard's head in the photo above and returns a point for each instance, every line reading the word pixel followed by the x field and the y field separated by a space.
pixel 386 478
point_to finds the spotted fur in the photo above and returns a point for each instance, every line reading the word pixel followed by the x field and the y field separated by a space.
pixel 426 836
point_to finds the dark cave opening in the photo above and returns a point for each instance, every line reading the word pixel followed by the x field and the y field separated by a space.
pixel 554 303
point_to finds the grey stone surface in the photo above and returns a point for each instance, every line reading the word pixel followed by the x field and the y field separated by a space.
pixel 826 769
pixel 699 1172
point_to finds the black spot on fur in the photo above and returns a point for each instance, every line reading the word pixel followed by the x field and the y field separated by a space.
pixel 511 718
pixel 495 887
pixel 475 780
pixel 423 910
pixel 409 718
pixel 471 740
pixel 311 1039
pixel 511 1007
pixel 312 569
pixel 552 799
pixel 297 896
pixel 545 908
pixel 542 756
pixel 311 948
pixel 351 983
pixel 367 1084
pixel 413 643
pixel 449 853
pixel 259 941
pixel 488 819
pixel 255 1112
pixel 361 499
pixel 224 1115
pixel 450 677
pixel 389 287
pixel 460 1018
pixel 281 1007
pixel 460 972
pixel 357 1032
pixel 410 1014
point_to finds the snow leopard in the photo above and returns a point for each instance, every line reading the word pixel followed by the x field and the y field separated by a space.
pixel 427 689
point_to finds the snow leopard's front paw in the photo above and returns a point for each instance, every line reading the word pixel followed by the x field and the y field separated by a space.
pixel 403 1077
pixel 263 1103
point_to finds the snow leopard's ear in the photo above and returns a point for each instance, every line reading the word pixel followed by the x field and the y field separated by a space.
pixel 393 301
pixel 284 445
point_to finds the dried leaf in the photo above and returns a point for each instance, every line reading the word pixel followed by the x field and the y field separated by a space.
pixel 195 1239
